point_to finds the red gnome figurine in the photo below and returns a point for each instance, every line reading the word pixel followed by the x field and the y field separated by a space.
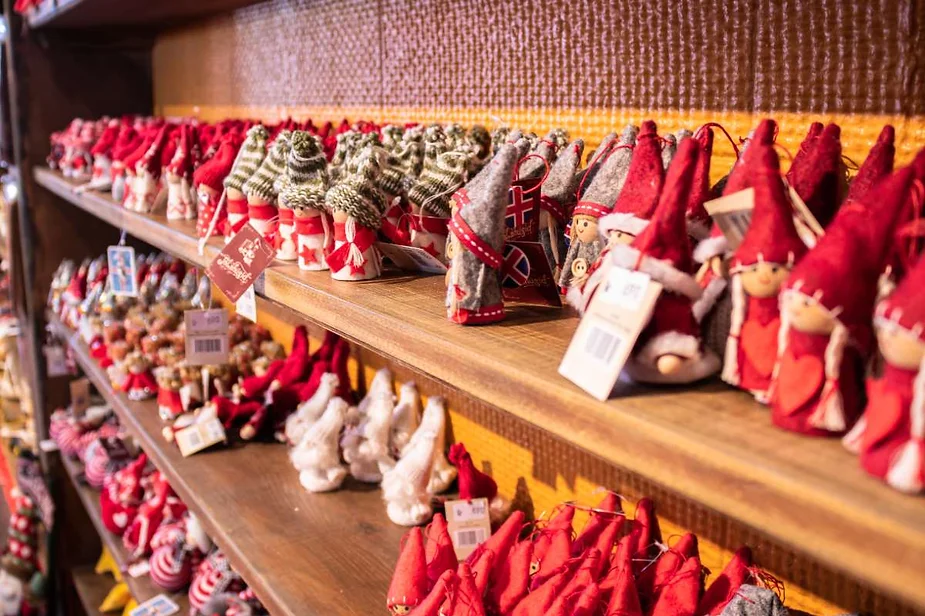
pixel 760 265
pixel 826 309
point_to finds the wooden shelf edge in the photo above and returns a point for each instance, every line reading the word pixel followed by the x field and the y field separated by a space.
pixel 142 588
pixel 740 465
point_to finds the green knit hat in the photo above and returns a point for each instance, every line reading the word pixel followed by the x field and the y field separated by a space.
pixel 411 157
pixel 435 144
pixel 392 136
pixel 438 182
pixel 306 177
pixel 481 139
pixel 357 194
pixel 250 157
pixel 455 135
pixel 392 179
pixel 261 184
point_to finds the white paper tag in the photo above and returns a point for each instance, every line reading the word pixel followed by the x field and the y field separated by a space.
pixel 246 305
pixel 412 258
pixel 122 273
pixel 468 524
pixel 732 214
pixel 161 605
pixel 56 360
pixel 206 336
pixel 200 436
pixel 808 228
pixel 142 567
pixel 607 333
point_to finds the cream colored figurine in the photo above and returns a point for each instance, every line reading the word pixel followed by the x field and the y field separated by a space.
pixel 317 457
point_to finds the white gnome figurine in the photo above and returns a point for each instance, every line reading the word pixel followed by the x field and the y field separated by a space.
pixel 405 487
pixel 317 457
pixel 405 418
pixel 311 410
pixel 443 473
pixel 366 447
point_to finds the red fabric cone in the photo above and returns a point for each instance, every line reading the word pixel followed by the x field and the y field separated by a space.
pixel 441 556
pixel 468 601
pixel 655 577
pixel 563 518
pixel 877 165
pixel 104 145
pixel 739 176
pixel 723 589
pixel 808 143
pixel 816 177
pixel 644 535
pixel 512 580
pixel 697 218
pixel 541 599
pixel 501 542
pixel 481 570
pixel 445 585
pixel 256 386
pixel 473 483
pixel 645 176
pixel 681 594
pixel 624 599
pixel 213 172
pixel 296 367
pixel 556 555
pixel 409 582
pixel 599 520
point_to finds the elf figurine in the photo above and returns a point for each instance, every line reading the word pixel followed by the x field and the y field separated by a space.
pixel 669 350
pixel 557 195
pixel 891 439
pixel 179 176
pixel 356 205
pixel 208 181
pixel 430 199
pixel 475 251
pixel 250 156
pixel 261 187
pixel 146 183
pixel 317 456
pixel 139 383
pixel 101 178
pixel 826 309
pixel 309 233
pixel 760 265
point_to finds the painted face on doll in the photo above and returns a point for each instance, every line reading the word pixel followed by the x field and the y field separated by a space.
pixel 900 348
pixel 807 315
pixel 400 609
pixel 584 228
pixel 620 237
pixel 763 279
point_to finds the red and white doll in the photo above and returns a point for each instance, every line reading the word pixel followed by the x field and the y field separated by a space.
pixel 179 175
pixel 769 250
pixel 213 577
pixel 100 178
pixel 152 512
pixel 248 159
pixel 147 180
pixel 169 384
pixel 826 309
pixel 121 495
pixel 356 205
pixel 139 383
pixel 891 435
pixel 305 229
pixel 262 187
pixel 208 182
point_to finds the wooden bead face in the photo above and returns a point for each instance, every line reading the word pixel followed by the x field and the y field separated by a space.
pixel 763 279
pixel 900 348
pixel 807 315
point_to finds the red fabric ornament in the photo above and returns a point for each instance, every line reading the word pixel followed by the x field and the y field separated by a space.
pixel 681 594
pixel 601 518
pixel 644 535
pixel 512 580
pixel 877 165
pixel 624 600
pixel 473 483
pixel 439 552
pixel 468 601
pixel 638 199
pixel 816 176
pixel 656 576
pixel 409 582
pixel 723 589
pixel 500 543
pixel 555 556
pixel 443 589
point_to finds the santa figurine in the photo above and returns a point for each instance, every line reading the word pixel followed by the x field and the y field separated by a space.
pixel 305 231
pixel 769 250
pixel 356 205
pixel 261 187
pixel 139 383
pixel 19 565
pixel 317 456
pixel 208 182
pixel 100 178
pixel 147 180
pixel 179 176
pixel 169 384
pixel 557 196
pixel 826 308
pixel 473 295
pixel 124 161
pixel 891 435
pixel 250 156
pixel 430 199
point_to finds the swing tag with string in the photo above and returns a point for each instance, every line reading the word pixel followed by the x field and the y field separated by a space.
pixel 468 524
pixel 206 336
pixel 123 279
pixel 808 228
pixel 240 262
pixel 411 258
pixel 246 305
pixel 733 213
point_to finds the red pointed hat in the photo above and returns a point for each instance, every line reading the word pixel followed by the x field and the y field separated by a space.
pixel 816 177
pixel 214 171
pixel 150 161
pixel 170 146
pixel 724 588
pixel 127 141
pixel 409 582
pixel 181 162
pixel 663 249
pixel 771 236
pixel 441 556
pixel 132 159
pixel 739 176
pixel 682 593
pixel 473 483
pixel 103 145
pixel 809 141
pixel 468 601
pixel 879 163
pixel 625 599
pixel 698 221
pixel 512 581
pixel 640 193
pixel 445 587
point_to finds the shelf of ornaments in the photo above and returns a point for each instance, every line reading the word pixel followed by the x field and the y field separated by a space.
pixel 109 13
pixel 299 552
pixel 708 442
pixel 141 587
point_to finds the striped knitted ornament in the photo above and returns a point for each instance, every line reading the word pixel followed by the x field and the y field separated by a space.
pixel 411 158
pixel 392 137
pixel 357 194
pixel 480 138
pixel 455 135
pixel 435 144
pixel 433 190
pixel 392 179
pixel 262 183
pixel 306 177
pixel 499 137
pixel 250 157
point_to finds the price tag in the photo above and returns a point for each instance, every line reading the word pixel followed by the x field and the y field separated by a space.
pixel 122 272
pixel 142 567
pixel 240 262
pixel 616 315
pixel 469 524
pixel 808 228
pixel 412 258
pixel 80 396
pixel 161 605
pixel 206 336
pixel 732 214
pixel 56 360
pixel 200 436
pixel 246 305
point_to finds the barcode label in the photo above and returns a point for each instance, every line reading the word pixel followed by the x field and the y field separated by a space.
pixel 193 440
pixel 208 345
pixel 469 538
pixel 602 343
pixel 200 436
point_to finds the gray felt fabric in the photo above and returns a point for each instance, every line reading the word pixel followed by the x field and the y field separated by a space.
pixel 754 601
pixel 560 185
pixel 605 186
pixel 589 251
pixel 669 147
pixel 545 150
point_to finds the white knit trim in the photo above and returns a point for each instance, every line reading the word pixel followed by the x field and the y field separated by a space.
pixel 621 221
pixel 711 247
pixel 711 294
pixel 906 465
pixel 830 412
pixel 661 271
pixel 732 372
pixel 852 441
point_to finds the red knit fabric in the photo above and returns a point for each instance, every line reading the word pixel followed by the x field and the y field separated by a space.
pixel 877 165
pixel 655 577
pixel 816 177
pixel 726 585
pixel 439 552
pixel 645 177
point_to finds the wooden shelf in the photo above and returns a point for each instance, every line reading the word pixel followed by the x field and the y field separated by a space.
pixel 141 587
pixel 709 443
pixel 105 13
pixel 301 553
pixel 91 588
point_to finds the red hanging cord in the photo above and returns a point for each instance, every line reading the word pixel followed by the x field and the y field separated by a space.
pixel 710 125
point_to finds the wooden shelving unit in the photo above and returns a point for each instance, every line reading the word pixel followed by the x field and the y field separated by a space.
pixel 301 553
pixel 91 588
pixel 712 444
pixel 142 588
pixel 102 13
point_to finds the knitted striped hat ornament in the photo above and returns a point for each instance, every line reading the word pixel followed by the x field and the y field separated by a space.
pixel 357 194
pixel 261 185
pixel 251 155
pixel 306 177
pixel 432 192
pixel 392 136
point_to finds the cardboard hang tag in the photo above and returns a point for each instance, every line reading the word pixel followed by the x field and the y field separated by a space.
pixel 140 568
pixel 808 228
pixel 199 436
pixel 532 284
pixel 468 523
pixel 161 605
pixel 240 262
pixel 412 258
pixel 246 305
pixel 80 396
pixel 123 278
pixel 206 336
pixel 617 314
pixel 733 213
